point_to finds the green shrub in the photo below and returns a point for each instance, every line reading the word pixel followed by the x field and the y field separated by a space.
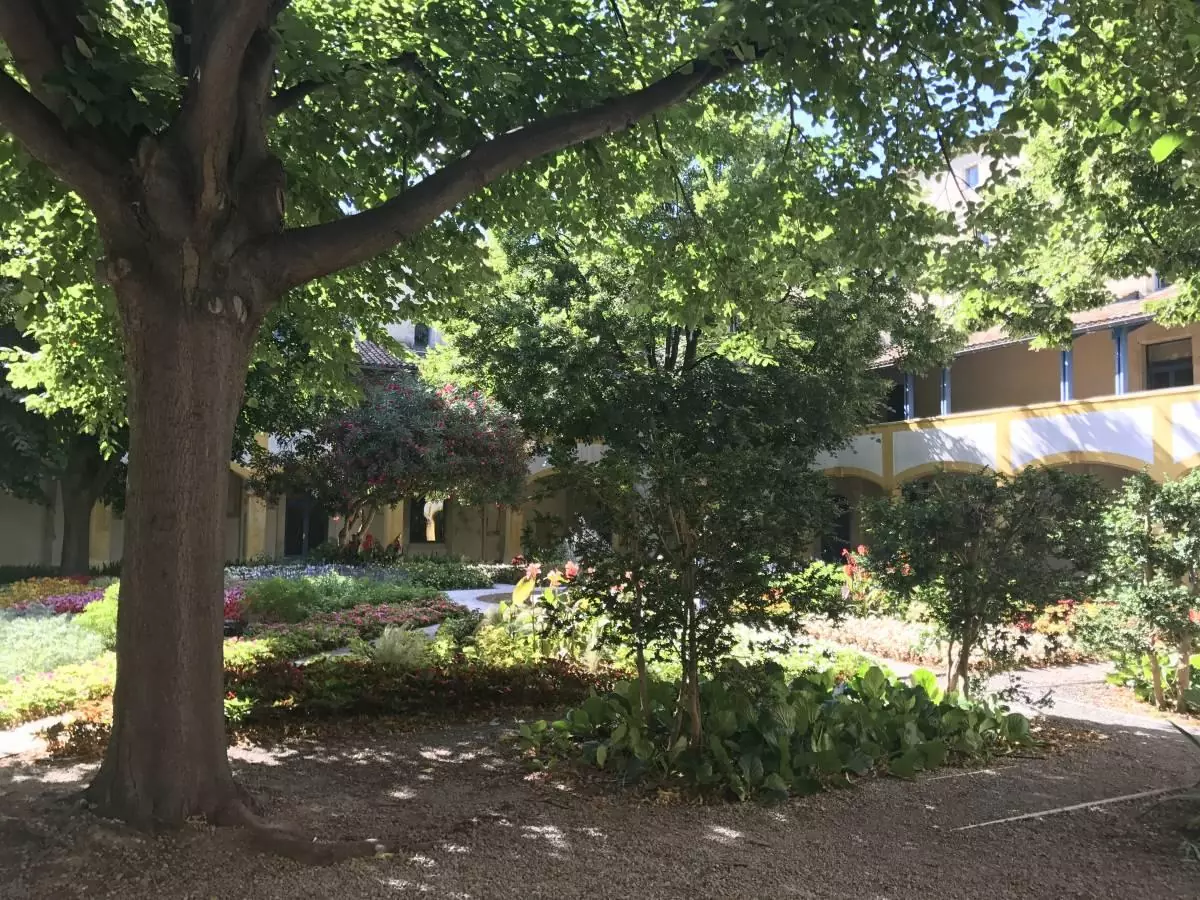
pixel 352 685
pixel 369 592
pixel 447 574
pixel 30 645
pixel 101 617
pixel 460 630
pixel 763 734
pixel 402 647
pixel 24 699
pixel 285 600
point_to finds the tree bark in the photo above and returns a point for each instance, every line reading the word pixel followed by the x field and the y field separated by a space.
pixel 166 759
pixel 75 558
pixel 1183 673
pixel 1156 678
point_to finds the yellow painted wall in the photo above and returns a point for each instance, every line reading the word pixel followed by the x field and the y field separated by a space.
pixel 23 533
pixel 1006 376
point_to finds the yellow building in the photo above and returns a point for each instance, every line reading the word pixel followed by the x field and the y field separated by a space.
pixel 1121 399
pixel 31 534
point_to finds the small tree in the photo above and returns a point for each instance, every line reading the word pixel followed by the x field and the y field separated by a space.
pixel 404 440
pixel 1153 561
pixel 985 548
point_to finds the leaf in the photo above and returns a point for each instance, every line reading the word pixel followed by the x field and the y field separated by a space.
pixel 907 764
pixel 83 47
pixel 523 591
pixel 601 755
pixel 1166 145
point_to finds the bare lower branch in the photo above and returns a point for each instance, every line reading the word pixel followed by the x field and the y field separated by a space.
pixel 300 255
pixel 86 169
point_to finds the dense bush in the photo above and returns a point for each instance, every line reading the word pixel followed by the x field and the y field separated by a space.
pixel 281 599
pixel 33 644
pixel 23 699
pixel 447 574
pixel 101 617
pixel 349 685
pixel 768 735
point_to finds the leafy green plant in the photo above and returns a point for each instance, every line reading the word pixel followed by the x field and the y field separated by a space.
pixel 1150 619
pixel 769 735
pixel 30 645
pixel 402 647
pixel 101 617
pixel 282 599
pixel 982 550
pixel 447 574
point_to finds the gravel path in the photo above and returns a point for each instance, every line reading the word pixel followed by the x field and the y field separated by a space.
pixel 471 824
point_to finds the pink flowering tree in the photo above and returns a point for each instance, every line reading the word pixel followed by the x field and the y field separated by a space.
pixel 404 440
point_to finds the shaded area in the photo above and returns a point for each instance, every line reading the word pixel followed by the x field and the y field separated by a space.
pixel 471 823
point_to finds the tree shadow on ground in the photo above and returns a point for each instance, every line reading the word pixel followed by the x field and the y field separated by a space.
pixel 468 820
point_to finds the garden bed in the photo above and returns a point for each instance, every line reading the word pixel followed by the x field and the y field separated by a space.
pixel 915 643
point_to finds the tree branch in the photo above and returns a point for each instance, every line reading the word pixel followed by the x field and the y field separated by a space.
pixel 405 62
pixel 36 35
pixel 87 170
pixel 300 255
pixel 218 44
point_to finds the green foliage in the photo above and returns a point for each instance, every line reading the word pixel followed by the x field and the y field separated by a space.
pixel 347 685
pixel 1151 613
pixel 460 630
pixel 446 574
pixel 58 691
pixel 403 648
pixel 983 549
pixel 404 440
pixel 100 617
pixel 770 736
pixel 30 645
pixel 292 600
pixel 282 599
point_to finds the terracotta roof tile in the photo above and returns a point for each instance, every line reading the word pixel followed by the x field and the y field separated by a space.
pixel 375 357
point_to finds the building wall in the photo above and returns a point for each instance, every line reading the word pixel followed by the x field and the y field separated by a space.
pixel 1012 375
pixel 24 533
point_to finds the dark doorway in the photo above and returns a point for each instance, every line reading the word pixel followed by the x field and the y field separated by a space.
pixel 837 538
pixel 305 526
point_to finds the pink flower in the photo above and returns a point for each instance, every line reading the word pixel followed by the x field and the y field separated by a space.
pixel 628 576
pixel 533 570
pixel 570 569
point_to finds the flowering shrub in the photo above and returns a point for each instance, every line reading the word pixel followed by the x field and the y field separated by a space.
pixel 235 604
pixel 26 698
pixel 37 590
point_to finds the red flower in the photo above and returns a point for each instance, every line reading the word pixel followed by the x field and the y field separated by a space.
pixel 570 569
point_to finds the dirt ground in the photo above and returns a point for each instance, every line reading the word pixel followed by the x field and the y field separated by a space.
pixel 470 823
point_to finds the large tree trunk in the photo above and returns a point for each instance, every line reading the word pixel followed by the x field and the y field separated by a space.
pixel 166 760
pixel 75 558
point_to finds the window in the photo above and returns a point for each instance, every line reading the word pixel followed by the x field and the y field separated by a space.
pixel 894 407
pixel 971 176
pixel 420 337
pixel 426 521
pixel 1169 364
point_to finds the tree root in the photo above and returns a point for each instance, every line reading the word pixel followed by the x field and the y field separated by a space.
pixel 268 838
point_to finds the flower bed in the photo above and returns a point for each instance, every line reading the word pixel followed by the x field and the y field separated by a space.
pixel 32 697
pixel 915 643
pixel 39 590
